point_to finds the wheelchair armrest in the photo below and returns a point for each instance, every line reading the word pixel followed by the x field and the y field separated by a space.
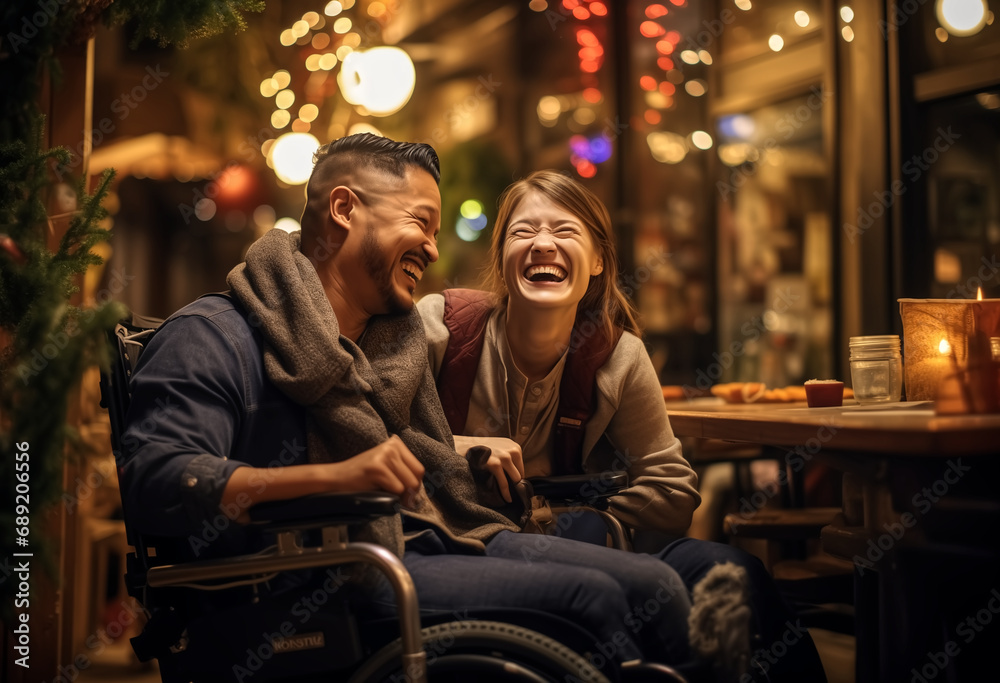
pixel 579 488
pixel 325 509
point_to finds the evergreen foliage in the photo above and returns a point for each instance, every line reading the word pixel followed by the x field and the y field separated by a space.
pixel 177 23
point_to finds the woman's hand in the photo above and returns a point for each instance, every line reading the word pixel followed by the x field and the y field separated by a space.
pixel 505 456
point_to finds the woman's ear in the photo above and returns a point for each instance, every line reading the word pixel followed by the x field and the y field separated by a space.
pixel 598 268
pixel 342 205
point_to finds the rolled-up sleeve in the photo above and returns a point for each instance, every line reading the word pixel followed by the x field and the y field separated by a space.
pixel 663 488
pixel 187 401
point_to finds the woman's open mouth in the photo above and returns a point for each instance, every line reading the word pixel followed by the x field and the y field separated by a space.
pixel 547 273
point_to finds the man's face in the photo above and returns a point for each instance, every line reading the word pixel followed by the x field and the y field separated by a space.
pixel 398 240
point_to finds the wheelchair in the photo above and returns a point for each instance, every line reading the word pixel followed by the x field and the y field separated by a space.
pixel 314 632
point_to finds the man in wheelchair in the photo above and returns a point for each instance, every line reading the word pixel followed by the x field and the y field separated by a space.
pixel 309 377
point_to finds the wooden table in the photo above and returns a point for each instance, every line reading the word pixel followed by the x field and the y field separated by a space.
pixel 921 522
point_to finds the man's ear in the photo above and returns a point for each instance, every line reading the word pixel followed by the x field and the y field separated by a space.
pixel 342 203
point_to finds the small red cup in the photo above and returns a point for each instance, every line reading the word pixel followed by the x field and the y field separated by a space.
pixel 824 393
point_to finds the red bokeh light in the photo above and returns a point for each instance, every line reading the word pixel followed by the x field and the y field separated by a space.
pixel 650 29
pixel 592 95
pixel 655 11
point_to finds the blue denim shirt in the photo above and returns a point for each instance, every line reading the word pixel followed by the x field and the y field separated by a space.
pixel 202 407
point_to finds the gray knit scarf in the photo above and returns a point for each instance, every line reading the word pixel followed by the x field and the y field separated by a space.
pixel 356 395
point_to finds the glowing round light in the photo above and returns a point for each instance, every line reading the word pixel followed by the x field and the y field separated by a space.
pixel 280 118
pixel 284 99
pixel 689 57
pixel 940 34
pixel 353 39
pixel 647 83
pixel 281 79
pixel 586 169
pixel 650 29
pixel 664 47
pixel 469 230
pixel 737 126
pixel 587 37
pixel 667 148
pixel 744 5
pixel 655 11
pixel 705 56
pixel 584 116
pixel 376 9
pixel 263 216
pixel 734 154
pixel 364 128
pixel 802 18
pixel 701 139
pixel 581 13
pixel 267 88
pixel 332 9
pixel 471 208
pixel 312 62
pixel 300 28
pixel 342 25
pixel 696 88
pixel 538 5
pixel 300 126
pixel 590 66
pixel 848 33
pixel 348 4
pixel 320 41
pixel 846 13
pixel 657 100
pixel 343 51
pixel 308 112
pixel 665 63
pixel 592 95
pixel 598 9
pixel 328 61
pixel 292 157
pixel 287 224
pixel 549 107
pixel 776 42
pixel 962 17
pixel 311 18
pixel 287 37
pixel 205 209
pixel 652 117
pixel 667 88
pixel 380 79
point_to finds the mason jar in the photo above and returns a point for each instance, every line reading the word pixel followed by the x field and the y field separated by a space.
pixel 876 368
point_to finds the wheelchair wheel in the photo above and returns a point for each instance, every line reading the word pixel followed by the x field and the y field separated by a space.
pixel 491 651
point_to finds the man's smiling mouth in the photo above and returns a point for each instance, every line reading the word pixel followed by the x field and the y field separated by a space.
pixel 413 268
pixel 548 273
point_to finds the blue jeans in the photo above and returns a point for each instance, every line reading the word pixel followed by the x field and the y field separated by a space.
pixel 781 646
pixel 635 606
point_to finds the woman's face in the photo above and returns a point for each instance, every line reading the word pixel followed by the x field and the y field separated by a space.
pixel 548 256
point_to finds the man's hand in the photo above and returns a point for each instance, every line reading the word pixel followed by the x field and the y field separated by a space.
pixel 505 457
pixel 390 467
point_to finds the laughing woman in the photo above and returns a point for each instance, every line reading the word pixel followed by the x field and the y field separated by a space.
pixel 554 336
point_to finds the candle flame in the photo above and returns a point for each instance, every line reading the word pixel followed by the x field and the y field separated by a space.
pixel 979 294
pixel 944 347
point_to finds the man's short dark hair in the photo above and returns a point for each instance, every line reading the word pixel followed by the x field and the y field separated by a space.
pixel 383 154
